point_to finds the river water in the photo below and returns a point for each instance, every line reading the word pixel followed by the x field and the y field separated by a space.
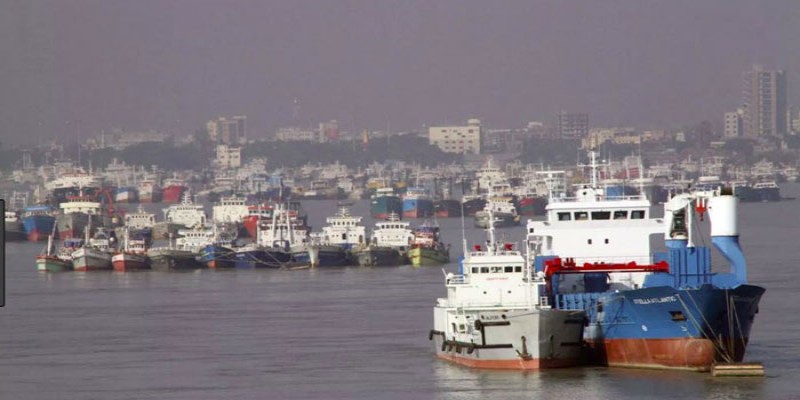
pixel 347 333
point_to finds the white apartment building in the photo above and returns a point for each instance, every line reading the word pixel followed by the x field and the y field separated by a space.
pixel 228 157
pixel 734 124
pixel 293 134
pixel 457 139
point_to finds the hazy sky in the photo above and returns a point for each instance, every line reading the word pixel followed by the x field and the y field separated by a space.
pixel 171 65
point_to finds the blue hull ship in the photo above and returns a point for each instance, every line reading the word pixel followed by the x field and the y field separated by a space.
pixel 646 308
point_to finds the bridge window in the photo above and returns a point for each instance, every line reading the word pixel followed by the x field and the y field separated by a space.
pixel 637 214
pixel 484 270
pixel 517 269
pixel 497 269
pixel 564 216
pixel 581 216
pixel 475 270
pixel 509 269
pixel 601 214
pixel 621 214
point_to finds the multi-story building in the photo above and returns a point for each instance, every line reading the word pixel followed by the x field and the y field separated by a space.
pixel 457 139
pixel 764 102
pixel 228 157
pixel 734 124
pixel 229 131
pixel 573 125
pixel 293 134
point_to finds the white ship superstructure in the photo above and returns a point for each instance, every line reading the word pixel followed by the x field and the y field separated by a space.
pixel 230 210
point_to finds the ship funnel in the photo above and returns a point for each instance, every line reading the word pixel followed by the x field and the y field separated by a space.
pixel 722 212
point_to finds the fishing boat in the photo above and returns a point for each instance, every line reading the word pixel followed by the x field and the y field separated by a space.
pixel 96 253
pixel 132 256
pixel 497 315
pixel 277 243
pixel 427 247
pixel 648 308
pixel 51 260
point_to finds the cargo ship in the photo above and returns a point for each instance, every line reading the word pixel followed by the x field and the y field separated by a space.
pixel 447 208
pixel 38 221
pixel 417 203
pixel 149 191
pixel 644 308
pixel 385 202
pixel 173 190
pixel 497 316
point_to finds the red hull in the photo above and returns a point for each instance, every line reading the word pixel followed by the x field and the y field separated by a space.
pixel 130 262
pixel 36 236
pixel 172 194
pixel 84 268
pixel 685 353
pixel 123 266
pixel 518 364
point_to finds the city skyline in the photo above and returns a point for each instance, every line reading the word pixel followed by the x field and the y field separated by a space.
pixel 173 66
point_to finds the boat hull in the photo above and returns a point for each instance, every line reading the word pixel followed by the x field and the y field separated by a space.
pixel 381 207
pixel 667 328
pixel 263 258
pixel 124 262
pixel 531 205
pixel 38 227
pixel 172 194
pixel 378 256
pixel 447 208
pixel 173 260
pixel 417 208
pixel 427 256
pixel 52 264
pixel 216 256
pixel 84 260
pixel 527 339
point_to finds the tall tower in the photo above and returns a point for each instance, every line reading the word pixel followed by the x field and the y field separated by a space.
pixel 764 102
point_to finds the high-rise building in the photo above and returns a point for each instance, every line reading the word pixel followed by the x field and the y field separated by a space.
pixel 573 125
pixel 733 124
pixel 457 139
pixel 227 130
pixel 764 102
